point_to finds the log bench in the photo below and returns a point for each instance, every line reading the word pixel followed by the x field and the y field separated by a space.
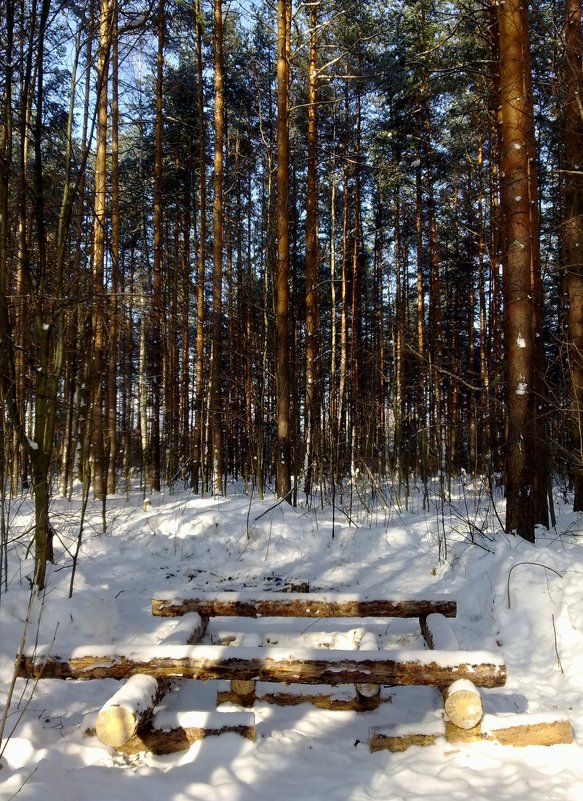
pixel 456 672
pixel 337 605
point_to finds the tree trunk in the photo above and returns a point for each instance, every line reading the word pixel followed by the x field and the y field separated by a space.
pixel 113 333
pixel 283 452
pixel 573 231
pixel 312 429
pixel 518 263
pixel 96 418
pixel 157 348
pixel 215 390
pixel 198 472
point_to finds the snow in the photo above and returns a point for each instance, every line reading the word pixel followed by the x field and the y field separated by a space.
pixel 134 694
pixel 522 599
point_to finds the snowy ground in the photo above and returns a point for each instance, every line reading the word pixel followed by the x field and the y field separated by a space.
pixel 507 590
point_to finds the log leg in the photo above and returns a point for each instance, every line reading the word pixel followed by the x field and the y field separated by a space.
pixel 243 692
pixel 462 700
pixel 130 709
pixel 368 694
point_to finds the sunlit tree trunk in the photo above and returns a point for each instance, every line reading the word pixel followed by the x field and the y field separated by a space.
pixel 495 315
pixel 312 428
pixel 157 345
pixel 283 451
pixel 96 418
pixel 519 264
pixel 215 390
pixel 198 472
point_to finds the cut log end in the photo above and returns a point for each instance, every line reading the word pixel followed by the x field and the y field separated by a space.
pixel 115 726
pixel 463 704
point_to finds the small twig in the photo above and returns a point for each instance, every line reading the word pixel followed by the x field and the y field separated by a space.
pixel 28 778
pixel 274 506
pixel 556 646
pixel 535 564
pixel 268 539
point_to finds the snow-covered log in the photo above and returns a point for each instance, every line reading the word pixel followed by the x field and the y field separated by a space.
pixel 462 700
pixel 165 737
pixel 133 704
pixel 280 604
pixel 438 633
pixel 129 709
pixel 515 730
pixel 303 665
pixel 338 698
pixel 190 629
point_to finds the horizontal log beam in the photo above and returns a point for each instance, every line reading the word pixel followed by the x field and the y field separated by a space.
pixel 515 730
pixel 279 604
pixel 163 740
pixel 305 666
pixel 321 700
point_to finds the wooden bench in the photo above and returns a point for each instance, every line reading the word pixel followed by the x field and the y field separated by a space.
pixel 443 664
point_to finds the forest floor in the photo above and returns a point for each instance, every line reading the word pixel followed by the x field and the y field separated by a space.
pixel 527 599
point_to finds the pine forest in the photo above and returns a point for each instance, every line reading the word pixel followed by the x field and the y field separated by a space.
pixel 291 245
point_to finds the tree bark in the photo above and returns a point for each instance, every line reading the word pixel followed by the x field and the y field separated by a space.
pixel 156 355
pixel 198 472
pixel 518 248
pixel 283 451
pixel 96 419
pixel 215 391
pixel 312 414
pixel 573 231
pixel 308 605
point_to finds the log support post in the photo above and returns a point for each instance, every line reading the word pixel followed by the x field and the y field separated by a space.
pixel 368 693
pixel 462 700
pixel 243 691
pixel 131 708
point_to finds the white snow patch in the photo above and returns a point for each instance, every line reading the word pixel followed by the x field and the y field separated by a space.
pixel 509 602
